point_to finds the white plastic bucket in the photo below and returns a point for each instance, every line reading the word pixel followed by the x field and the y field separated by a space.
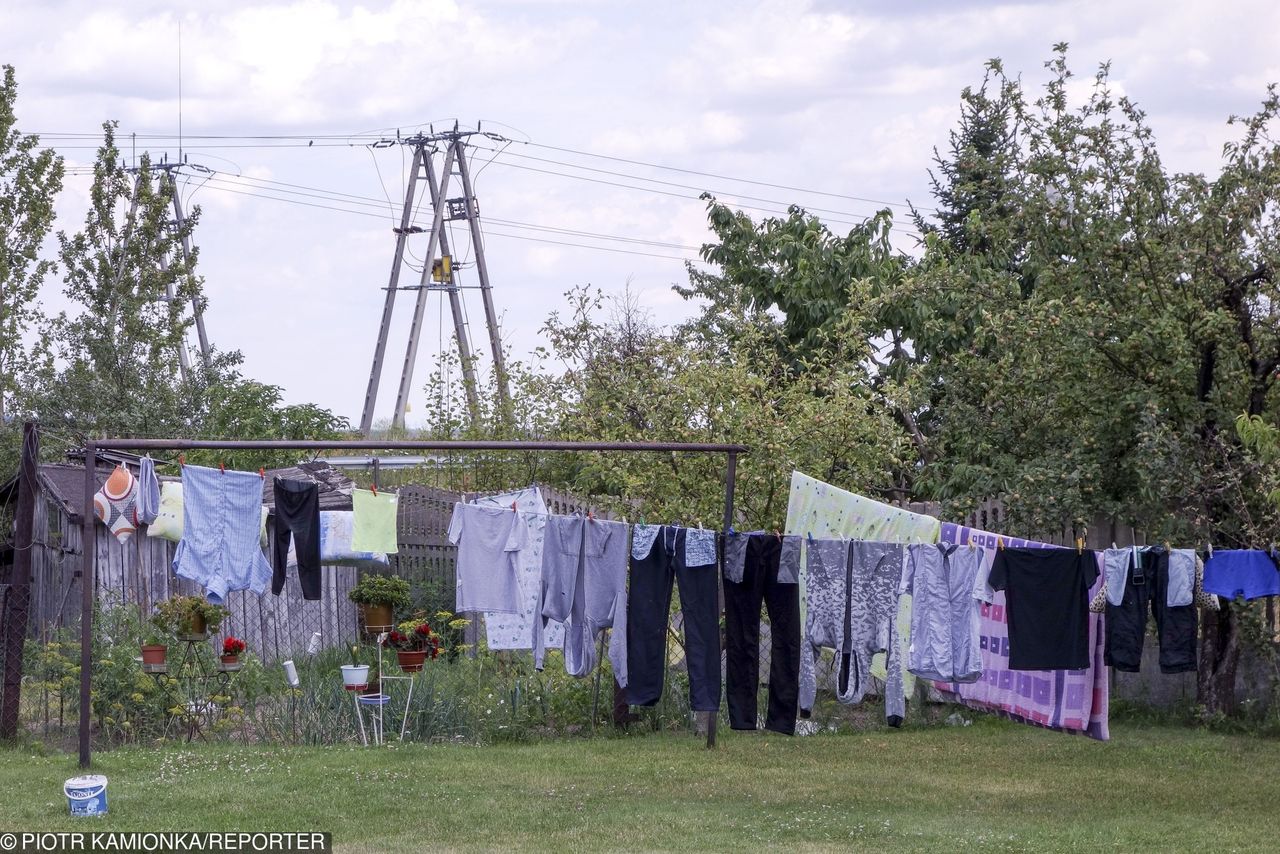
pixel 86 795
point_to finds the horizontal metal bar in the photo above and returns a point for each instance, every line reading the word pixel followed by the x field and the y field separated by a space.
pixel 401 445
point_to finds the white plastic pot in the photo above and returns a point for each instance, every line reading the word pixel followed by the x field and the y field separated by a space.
pixel 355 675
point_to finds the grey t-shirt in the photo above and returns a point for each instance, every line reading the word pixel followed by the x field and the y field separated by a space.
pixel 489 541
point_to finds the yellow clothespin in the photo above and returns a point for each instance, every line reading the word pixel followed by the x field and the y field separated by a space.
pixel 1000 542
pixel 1079 545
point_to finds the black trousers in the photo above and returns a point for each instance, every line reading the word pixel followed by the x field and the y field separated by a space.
pixel 297 514
pixel 742 640
pixel 648 608
pixel 1146 591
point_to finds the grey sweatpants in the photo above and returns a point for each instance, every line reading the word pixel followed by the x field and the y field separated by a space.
pixel 852 597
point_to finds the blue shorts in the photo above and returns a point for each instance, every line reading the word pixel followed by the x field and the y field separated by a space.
pixel 1241 572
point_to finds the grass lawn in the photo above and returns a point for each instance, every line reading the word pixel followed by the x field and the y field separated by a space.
pixel 994 785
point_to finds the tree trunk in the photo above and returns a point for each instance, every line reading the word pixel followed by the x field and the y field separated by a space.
pixel 1219 659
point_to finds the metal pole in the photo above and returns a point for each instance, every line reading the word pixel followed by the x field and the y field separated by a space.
pixel 380 350
pixel 486 292
pixel 123 444
pixel 87 591
pixel 17 602
pixel 419 307
pixel 184 239
pixel 730 484
pixel 455 308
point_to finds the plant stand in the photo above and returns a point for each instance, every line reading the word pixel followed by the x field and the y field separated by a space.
pixel 198 682
pixel 375 704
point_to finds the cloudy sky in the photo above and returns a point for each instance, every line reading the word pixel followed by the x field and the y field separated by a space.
pixel 833 105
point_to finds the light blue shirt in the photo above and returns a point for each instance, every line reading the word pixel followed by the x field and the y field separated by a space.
pixel 220 546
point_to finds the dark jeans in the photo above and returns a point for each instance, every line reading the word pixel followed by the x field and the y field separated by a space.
pixel 1146 591
pixel 742 625
pixel 648 609
pixel 297 513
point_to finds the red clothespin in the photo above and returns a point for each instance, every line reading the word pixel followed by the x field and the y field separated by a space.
pixel 513 507
pixel 222 467
pixel 262 472
pixel 182 460
pixel 591 514
pixel 374 489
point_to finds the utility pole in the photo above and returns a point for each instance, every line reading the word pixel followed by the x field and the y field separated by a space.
pixel 453 144
pixel 177 227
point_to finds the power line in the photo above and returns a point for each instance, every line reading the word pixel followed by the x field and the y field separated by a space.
pixel 491 233
pixel 350 199
pixel 720 177
pixel 717 193
pixel 353 139
pixel 487 232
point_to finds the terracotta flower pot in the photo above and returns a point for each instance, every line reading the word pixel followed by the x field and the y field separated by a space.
pixel 153 653
pixel 230 659
pixel 377 618
pixel 411 660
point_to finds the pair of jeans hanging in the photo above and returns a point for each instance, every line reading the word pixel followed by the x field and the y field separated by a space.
pixel 663 555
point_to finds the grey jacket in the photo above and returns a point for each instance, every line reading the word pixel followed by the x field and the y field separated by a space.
pixel 945 586
pixel 584 586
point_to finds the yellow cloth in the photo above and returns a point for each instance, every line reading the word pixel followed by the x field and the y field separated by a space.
pixel 374 523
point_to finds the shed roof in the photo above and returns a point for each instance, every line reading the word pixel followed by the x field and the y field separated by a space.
pixel 63 483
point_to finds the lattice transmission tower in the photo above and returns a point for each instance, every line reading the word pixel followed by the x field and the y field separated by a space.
pixel 439 270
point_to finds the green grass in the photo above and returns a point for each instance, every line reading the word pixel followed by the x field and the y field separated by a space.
pixel 994 785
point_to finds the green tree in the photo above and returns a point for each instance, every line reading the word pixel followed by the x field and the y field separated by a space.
pixel 30 179
pixel 1152 321
pixel 118 366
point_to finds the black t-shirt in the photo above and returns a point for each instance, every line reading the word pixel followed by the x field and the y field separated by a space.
pixel 1047 601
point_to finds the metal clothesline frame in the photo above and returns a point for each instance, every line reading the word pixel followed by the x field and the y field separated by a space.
pixel 94 446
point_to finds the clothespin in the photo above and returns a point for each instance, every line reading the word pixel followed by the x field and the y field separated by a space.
pixel 182 460
pixel 999 542
pixel 1209 548
pixel 222 467
pixel 1079 545
pixel 777 533
pixel 513 507
pixel 374 489
pixel 698 522
pixel 262 472
pixel 591 515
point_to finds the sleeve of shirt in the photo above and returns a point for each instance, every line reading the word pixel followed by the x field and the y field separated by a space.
pixel 908 571
pixel 1089 566
pixel 455 524
pixel 517 535
pixel 999 578
pixel 982 590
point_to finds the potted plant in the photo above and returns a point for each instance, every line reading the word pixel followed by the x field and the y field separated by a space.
pixel 379 597
pixel 190 617
pixel 232 647
pixel 155 647
pixel 414 641
pixel 355 676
